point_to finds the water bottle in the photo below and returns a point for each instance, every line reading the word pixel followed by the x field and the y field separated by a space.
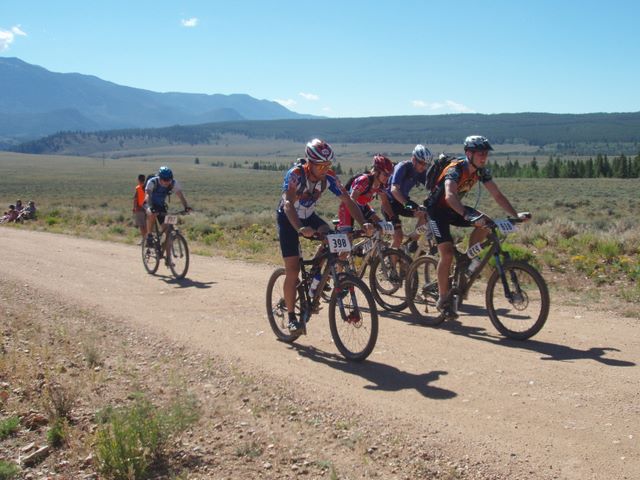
pixel 475 263
pixel 314 284
pixel 472 253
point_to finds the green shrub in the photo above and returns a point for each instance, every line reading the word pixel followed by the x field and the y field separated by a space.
pixel 56 434
pixel 130 439
pixel 8 470
pixel 9 427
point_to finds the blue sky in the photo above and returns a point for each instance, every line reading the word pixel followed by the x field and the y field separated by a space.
pixel 347 58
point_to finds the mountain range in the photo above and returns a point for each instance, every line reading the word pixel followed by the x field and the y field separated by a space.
pixel 37 102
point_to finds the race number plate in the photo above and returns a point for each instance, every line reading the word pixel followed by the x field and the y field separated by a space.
pixel 505 226
pixel 387 228
pixel 171 219
pixel 339 243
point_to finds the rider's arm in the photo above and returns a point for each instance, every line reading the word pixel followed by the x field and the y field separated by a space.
pixel 397 194
pixel 183 200
pixel 386 205
pixel 451 196
pixel 500 198
pixel 290 209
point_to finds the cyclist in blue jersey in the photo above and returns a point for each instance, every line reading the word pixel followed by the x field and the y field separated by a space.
pixel 303 185
pixel 155 198
pixel 406 175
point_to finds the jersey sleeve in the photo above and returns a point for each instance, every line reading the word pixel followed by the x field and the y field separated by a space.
pixel 400 172
pixel 360 184
pixel 334 184
pixel 485 175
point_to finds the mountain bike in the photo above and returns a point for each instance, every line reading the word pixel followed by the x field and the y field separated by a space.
pixel 516 295
pixel 175 253
pixel 353 317
pixel 387 268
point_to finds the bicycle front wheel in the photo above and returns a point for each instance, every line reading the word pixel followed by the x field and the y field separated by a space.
pixel 353 318
pixel 178 255
pixel 519 308
pixel 386 278
pixel 421 291
pixel 150 257
pixel 277 309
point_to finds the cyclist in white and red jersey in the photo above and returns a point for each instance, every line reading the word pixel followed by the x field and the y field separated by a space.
pixel 303 185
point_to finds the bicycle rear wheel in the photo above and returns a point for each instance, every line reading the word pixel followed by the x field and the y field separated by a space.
pixel 525 313
pixel 354 327
pixel 386 278
pixel 150 256
pixel 178 255
pixel 276 308
pixel 421 291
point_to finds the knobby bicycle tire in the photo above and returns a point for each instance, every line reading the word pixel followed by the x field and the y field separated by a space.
pixel 178 257
pixel 389 296
pixel 356 333
pixel 508 317
pixel 276 309
pixel 150 256
pixel 421 291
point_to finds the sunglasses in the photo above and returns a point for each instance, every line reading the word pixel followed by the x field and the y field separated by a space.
pixel 323 166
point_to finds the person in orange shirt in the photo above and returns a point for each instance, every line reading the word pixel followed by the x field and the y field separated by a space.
pixel 139 216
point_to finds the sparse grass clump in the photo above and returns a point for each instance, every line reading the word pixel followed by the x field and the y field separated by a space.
pixel 8 427
pixel 8 470
pixel 130 439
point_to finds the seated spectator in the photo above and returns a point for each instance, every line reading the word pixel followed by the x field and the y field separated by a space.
pixel 10 215
pixel 29 212
pixel 19 205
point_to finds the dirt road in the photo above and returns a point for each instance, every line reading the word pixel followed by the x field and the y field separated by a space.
pixel 564 404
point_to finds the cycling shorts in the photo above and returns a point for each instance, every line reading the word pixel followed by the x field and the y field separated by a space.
pixel 398 211
pixel 289 237
pixel 440 221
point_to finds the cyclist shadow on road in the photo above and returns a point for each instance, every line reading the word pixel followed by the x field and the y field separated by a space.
pixel 551 351
pixel 185 282
pixel 383 377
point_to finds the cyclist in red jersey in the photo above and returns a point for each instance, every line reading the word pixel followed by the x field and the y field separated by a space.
pixel 364 188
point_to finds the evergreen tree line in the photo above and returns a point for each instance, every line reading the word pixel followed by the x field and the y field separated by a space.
pixel 601 167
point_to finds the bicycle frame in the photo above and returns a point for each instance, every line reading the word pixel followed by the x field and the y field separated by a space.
pixel 461 284
pixel 331 260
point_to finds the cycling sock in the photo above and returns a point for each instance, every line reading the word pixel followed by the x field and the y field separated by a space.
pixel 292 317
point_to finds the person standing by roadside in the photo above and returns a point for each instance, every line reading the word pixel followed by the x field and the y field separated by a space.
pixel 138 207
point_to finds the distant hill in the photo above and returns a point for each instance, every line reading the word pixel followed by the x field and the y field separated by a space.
pixel 582 134
pixel 35 102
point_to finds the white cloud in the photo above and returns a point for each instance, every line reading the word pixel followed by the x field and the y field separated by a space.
pixel 285 103
pixel 189 22
pixel 7 37
pixel 327 109
pixel 309 96
pixel 447 106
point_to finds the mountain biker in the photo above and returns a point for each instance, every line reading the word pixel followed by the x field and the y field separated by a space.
pixel 302 187
pixel 406 175
pixel 364 188
pixel 155 196
pixel 445 208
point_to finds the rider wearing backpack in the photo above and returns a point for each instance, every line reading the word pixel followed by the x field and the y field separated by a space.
pixel 363 188
pixel 155 196
pixel 445 207
pixel 407 175
pixel 303 185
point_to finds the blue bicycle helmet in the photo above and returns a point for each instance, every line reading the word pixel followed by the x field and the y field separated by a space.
pixel 165 173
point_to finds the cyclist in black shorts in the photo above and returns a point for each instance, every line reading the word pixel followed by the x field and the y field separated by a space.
pixel 445 207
